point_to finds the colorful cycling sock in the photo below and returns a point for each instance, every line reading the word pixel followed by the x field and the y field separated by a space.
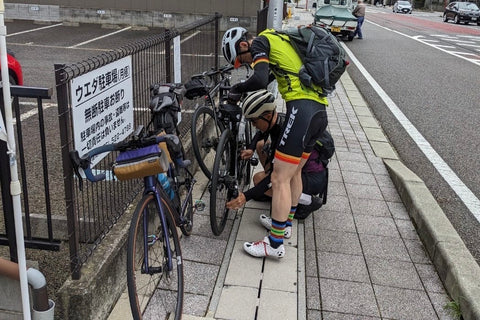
pixel 290 216
pixel 276 233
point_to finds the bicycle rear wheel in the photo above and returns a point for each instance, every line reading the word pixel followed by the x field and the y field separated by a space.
pixel 222 183
pixel 205 135
pixel 148 236
pixel 245 167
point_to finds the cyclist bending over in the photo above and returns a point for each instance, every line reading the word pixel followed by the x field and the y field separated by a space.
pixel 306 119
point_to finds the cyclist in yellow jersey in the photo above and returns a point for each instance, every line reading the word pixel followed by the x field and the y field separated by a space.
pixel 306 119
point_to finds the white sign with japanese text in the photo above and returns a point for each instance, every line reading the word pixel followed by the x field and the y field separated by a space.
pixel 102 106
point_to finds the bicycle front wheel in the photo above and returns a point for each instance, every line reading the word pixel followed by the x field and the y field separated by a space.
pixel 154 262
pixel 221 184
pixel 185 198
pixel 205 135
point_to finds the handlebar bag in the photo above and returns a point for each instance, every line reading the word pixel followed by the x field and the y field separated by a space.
pixel 139 163
pixel 195 88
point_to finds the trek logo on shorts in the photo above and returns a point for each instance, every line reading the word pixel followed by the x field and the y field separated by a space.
pixel 290 122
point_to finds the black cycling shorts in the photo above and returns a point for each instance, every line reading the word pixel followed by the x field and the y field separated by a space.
pixel 304 123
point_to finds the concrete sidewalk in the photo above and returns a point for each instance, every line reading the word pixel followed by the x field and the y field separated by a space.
pixel 358 257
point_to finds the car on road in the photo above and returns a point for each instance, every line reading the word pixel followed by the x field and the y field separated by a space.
pixel 465 12
pixel 403 7
pixel 14 69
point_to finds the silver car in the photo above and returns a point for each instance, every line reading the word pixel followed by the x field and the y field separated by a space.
pixel 402 6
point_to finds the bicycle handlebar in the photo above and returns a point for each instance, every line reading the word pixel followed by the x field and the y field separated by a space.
pixel 173 146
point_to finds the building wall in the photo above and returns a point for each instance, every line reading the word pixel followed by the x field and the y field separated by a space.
pixel 148 13
pixel 242 8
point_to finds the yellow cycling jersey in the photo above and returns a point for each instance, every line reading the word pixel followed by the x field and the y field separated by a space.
pixel 284 56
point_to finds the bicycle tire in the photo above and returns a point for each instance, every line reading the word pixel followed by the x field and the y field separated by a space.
pixel 167 286
pixel 204 142
pixel 245 169
pixel 220 188
pixel 184 183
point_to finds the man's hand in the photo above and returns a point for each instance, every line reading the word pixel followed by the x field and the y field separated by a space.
pixel 237 202
pixel 246 154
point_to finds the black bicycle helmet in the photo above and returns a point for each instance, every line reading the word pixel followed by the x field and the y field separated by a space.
pixel 257 103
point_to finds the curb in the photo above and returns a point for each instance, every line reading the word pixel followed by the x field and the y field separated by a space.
pixel 455 265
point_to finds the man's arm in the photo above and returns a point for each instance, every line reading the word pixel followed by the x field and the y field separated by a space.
pixel 260 78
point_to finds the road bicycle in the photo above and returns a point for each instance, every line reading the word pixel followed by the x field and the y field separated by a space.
pixel 230 173
pixel 154 258
pixel 206 127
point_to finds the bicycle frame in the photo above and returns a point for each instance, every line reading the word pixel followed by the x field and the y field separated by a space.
pixel 150 187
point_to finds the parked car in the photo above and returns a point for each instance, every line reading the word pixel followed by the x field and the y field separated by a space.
pixel 14 69
pixel 336 16
pixel 403 7
pixel 462 12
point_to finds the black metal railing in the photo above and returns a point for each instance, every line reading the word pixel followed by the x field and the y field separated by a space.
pixel 93 212
pixel 32 159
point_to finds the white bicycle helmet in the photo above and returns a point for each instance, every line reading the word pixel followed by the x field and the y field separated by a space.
pixel 257 103
pixel 229 42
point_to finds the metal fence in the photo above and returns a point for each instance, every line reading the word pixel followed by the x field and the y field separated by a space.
pixel 35 175
pixel 93 212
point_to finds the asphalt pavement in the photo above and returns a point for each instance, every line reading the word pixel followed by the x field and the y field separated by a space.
pixel 379 249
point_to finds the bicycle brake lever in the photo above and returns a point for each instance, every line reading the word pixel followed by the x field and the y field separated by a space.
pixel 76 164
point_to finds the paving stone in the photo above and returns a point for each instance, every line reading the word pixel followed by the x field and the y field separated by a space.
pixel 440 301
pixel 197 248
pixel 398 210
pixel 407 229
pixel 336 241
pixel 393 273
pixel 199 278
pixel 348 297
pixel 355 166
pixel 313 293
pixel 336 188
pixel 358 178
pixel 337 203
pixel 334 220
pixel 237 303
pixel 381 226
pixel 384 247
pixel 369 207
pixel 311 263
pixel 343 316
pixel 417 251
pixel 240 264
pixel 194 304
pixel 404 304
pixel 363 191
pixel 390 194
pixel 342 267
pixel 429 276
pixel 286 267
pixel 285 306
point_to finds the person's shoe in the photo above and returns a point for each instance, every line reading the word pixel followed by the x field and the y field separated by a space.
pixel 266 222
pixel 303 211
pixel 263 248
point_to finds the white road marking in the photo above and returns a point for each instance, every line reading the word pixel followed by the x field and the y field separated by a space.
pixel 32 112
pixel 464 193
pixel 33 30
pixel 421 40
pixel 98 38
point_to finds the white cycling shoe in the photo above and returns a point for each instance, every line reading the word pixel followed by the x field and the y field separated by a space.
pixel 263 248
pixel 266 221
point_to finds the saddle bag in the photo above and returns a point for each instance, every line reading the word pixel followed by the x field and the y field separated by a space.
pixel 139 163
